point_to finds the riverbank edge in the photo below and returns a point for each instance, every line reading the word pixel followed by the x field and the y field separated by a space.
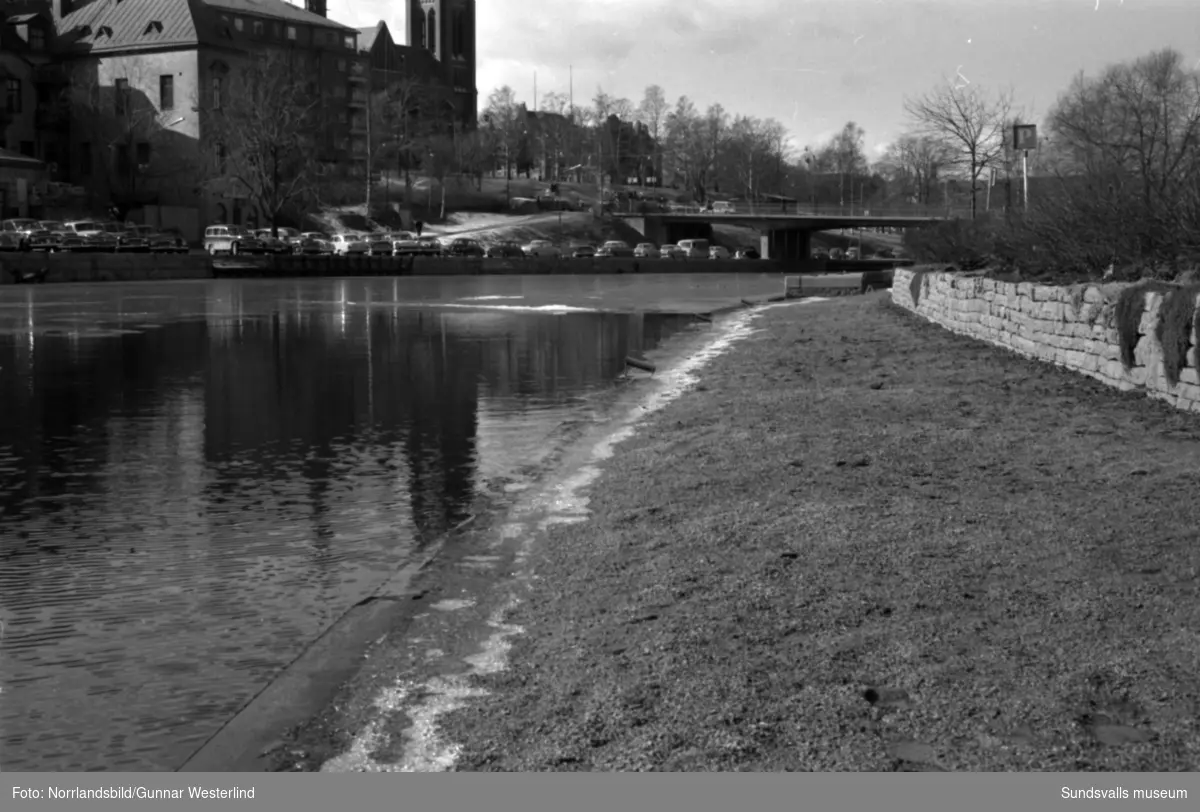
pixel 253 740
pixel 677 629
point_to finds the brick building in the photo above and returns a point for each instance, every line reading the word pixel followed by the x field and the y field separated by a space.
pixel 111 91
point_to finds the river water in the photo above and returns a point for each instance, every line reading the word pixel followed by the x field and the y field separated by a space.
pixel 197 479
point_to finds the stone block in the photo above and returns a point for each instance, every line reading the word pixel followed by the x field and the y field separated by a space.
pixel 1093 296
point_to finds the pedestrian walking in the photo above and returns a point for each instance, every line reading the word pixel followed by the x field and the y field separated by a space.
pixel 419 227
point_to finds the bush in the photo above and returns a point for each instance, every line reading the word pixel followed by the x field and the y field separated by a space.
pixel 1131 304
pixel 1175 329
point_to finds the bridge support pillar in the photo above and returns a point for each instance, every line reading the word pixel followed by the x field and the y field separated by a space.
pixel 793 245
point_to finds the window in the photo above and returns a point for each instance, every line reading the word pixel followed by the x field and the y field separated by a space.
pixel 432 30
pixel 239 23
pixel 123 165
pixel 85 158
pixel 341 65
pixel 348 41
pixel 291 32
pixel 37 38
pixel 152 27
pixel 121 96
pixel 259 28
pixel 166 92
pixel 220 157
pixel 457 34
pixel 12 95
pixel 217 84
pixel 277 29
pixel 420 32
pixel 143 153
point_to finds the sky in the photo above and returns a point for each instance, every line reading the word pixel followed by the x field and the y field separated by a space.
pixel 811 64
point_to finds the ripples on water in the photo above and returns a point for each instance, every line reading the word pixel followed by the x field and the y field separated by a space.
pixel 194 486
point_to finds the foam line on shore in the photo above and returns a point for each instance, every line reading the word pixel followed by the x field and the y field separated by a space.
pixel 562 502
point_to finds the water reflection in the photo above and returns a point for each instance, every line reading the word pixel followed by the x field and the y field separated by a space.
pixel 193 486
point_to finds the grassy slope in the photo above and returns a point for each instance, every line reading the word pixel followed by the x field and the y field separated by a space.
pixel 868 544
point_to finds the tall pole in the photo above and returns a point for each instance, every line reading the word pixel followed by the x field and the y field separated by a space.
pixel 368 210
pixel 535 107
pixel 1025 176
pixel 571 90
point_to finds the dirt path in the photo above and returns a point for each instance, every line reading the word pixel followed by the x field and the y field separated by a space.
pixel 867 544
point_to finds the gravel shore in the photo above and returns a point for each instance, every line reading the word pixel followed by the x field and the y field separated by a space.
pixel 864 543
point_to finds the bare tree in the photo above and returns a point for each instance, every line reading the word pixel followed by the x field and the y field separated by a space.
pixel 969 120
pixel 132 133
pixel 503 117
pixel 262 141
pixel 844 155
pixel 913 162
pixel 399 125
pixel 652 112
pixel 1127 145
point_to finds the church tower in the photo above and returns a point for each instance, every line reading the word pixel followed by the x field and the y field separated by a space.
pixel 446 28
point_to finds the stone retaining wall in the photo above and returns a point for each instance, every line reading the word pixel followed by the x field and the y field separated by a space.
pixel 1073 327
pixel 67 267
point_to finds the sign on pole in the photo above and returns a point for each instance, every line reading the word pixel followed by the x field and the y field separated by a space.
pixel 1024 137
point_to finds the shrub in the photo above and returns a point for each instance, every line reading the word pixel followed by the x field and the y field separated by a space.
pixel 1131 304
pixel 1176 324
pixel 914 286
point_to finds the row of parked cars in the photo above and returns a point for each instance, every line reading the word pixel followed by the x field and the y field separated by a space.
pixel 25 234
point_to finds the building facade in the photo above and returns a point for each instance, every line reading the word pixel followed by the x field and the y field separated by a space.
pixel 112 94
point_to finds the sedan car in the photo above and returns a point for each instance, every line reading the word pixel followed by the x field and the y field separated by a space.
pixel 747 253
pixel 346 244
pixel 273 244
pixel 315 242
pixel 614 248
pixel 379 245
pixel 21 228
pixel 45 239
pixel 718 252
pixel 506 250
pixel 671 251
pixel 169 240
pixel 583 252
pixel 542 248
pixel 126 238
pixel 463 247
pixel 646 250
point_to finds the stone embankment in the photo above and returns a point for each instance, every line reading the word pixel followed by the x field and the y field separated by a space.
pixel 1113 333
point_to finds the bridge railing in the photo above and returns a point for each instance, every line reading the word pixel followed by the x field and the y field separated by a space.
pixel 821 210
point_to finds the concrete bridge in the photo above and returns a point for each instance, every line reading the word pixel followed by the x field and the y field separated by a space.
pixel 786 237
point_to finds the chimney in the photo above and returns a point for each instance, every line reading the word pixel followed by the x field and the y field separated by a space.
pixel 313 6
pixel 64 8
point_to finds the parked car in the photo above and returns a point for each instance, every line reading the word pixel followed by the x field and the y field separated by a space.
pixel 542 248
pixel 614 248
pixel 167 240
pixel 11 241
pixel 820 253
pixel 718 252
pixel 93 236
pixel 272 244
pixel 379 245
pixel 228 239
pixel 45 239
pixel 309 246
pixel 694 249
pixel 671 251
pixel 723 207
pixel 506 250
pixel 315 242
pixel 126 237
pixel 747 253
pixel 852 253
pixel 346 244
pixel 23 228
pixel 646 250
pixel 583 252
pixel 463 247
pixel 405 243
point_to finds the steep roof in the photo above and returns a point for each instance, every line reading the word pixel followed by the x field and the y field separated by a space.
pixel 276 10
pixel 110 25
pixel 367 36
pixel 115 25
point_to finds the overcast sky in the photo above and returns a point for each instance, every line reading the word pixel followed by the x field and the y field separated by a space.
pixel 811 64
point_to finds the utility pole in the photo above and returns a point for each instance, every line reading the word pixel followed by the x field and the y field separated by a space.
pixel 369 151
